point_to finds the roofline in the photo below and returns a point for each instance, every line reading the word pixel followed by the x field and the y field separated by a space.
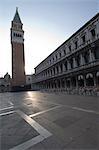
pixel 93 18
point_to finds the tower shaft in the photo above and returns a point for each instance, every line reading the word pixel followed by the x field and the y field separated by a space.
pixel 18 59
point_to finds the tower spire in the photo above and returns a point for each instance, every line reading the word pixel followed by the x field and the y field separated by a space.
pixel 17 17
pixel 16 8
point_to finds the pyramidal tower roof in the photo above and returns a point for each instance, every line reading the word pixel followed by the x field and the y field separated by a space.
pixel 17 17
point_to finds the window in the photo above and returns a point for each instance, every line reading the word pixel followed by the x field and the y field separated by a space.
pixel 70 48
pixel 57 69
pixel 78 60
pixel 65 65
pixel 14 25
pixel 93 32
pixel 61 67
pixel 71 63
pixel 51 72
pixel 48 72
pixel 64 52
pixel 29 79
pixel 60 54
pixel 83 39
pixel 86 57
pixel 76 45
pixel 56 57
pixel 54 70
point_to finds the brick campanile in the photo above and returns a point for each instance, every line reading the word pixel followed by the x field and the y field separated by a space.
pixel 17 43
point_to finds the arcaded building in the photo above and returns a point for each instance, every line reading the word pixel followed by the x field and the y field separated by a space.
pixel 18 59
pixel 74 65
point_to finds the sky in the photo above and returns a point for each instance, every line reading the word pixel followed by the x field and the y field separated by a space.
pixel 47 24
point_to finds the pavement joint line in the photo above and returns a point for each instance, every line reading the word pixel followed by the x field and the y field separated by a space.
pixel 6 108
pixel 82 109
pixel 7 113
pixel 44 133
pixel 47 110
pixel 86 110
pixel 29 143
pixel 41 130
pixel 11 103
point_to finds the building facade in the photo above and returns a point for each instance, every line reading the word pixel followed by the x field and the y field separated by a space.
pixel 29 81
pixel 5 83
pixel 18 60
pixel 74 66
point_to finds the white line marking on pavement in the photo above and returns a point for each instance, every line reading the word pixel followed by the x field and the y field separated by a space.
pixel 82 109
pixel 33 115
pixel 35 125
pixel 6 108
pixel 41 130
pixel 86 110
pixel 7 113
pixel 11 103
pixel 29 143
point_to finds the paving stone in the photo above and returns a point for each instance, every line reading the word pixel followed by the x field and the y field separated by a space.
pixel 66 121
pixel 30 110
pixel 14 131
pixel 72 129
pixel 88 140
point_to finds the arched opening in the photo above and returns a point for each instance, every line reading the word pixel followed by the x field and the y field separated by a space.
pixel 58 84
pixel 89 80
pixel 52 85
pixel 55 84
pixel 80 81
pixel 86 57
pixel 63 83
pixel 68 83
pixel 97 78
pixel 73 81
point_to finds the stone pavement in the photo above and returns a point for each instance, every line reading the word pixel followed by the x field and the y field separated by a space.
pixel 48 121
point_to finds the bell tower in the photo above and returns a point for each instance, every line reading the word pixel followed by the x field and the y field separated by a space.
pixel 17 44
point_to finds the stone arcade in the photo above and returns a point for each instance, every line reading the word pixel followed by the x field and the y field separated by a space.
pixel 74 66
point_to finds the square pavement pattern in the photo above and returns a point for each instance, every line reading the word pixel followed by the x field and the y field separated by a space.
pixel 45 121
pixel 15 130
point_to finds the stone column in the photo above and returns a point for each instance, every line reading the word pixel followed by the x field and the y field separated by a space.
pixel 74 62
pixel 68 65
pixel 64 68
pixel 95 80
pixel 76 82
pixel 59 69
pixel 97 27
pixel 55 71
pixel 87 35
pixel 84 80
pixel 82 62
pixel 93 56
pixel 60 83
pixel 56 84
pixel 90 56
